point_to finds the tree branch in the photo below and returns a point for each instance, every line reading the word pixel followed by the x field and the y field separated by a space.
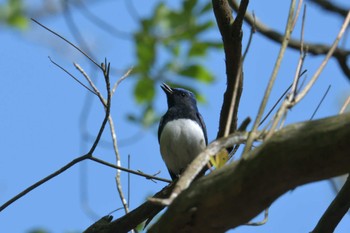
pixel 331 7
pixel 150 208
pixel 336 211
pixel 243 189
pixel 312 48
pixel 231 32
pixel 133 218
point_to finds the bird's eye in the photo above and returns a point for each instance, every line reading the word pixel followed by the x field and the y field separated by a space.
pixel 183 94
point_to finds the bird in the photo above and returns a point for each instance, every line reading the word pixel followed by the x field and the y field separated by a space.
pixel 182 133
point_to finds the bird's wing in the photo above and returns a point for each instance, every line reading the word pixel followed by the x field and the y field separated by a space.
pixel 160 128
pixel 201 121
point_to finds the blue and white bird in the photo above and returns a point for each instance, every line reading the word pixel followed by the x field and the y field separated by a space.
pixel 182 134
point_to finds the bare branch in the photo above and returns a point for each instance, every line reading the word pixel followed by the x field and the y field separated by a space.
pixel 313 48
pixel 70 43
pixel 331 7
pixel 346 103
pixel 91 83
pixel 231 33
pixel 77 160
pixel 325 60
pixel 135 217
pixel 121 80
pixel 72 76
pixel 321 101
pixel 117 156
pixel 288 31
pixel 256 224
pixel 336 210
pixel 138 173
pixel 250 39
pixel 74 29
pixel 44 180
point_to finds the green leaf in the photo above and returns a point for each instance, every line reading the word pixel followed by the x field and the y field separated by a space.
pixel 201 98
pixel 18 21
pixel 144 90
pixel 198 49
pixel 188 5
pixel 13 14
pixel 175 49
pixel 203 27
pixel 145 51
pixel 197 72
pixel 207 7
pixel 201 48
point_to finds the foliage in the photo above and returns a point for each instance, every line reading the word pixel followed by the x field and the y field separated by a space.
pixel 12 13
pixel 170 46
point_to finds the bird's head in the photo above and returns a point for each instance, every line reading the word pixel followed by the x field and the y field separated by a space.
pixel 179 96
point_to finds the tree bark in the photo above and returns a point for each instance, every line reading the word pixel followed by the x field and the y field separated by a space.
pixel 231 196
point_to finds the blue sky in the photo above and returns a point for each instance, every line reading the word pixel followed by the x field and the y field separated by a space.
pixel 42 117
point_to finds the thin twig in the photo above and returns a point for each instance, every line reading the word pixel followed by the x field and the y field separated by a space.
pixel 300 3
pixel 321 101
pixel 279 100
pixel 346 103
pixel 281 115
pixel 67 41
pixel 74 29
pixel 112 130
pixel 117 155
pixel 256 224
pixel 268 90
pixel 151 177
pixel 115 144
pixel 252 31
pixel 308 86
pixel 275 105
pixel 301 60
pixel 121 79
pixel 91 83
pixel 72 76
pixel 116 150
pixel 313 48
pixel 233 102
pixel 105 68
pixel 129 181
pixel 44 180
pixel 287 104
pixel 75 161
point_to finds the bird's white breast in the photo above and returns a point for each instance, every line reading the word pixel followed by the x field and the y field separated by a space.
pixel 181 141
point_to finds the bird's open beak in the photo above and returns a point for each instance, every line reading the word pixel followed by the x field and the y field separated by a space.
pixel 166 89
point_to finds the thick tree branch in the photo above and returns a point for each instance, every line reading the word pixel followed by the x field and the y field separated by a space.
pixel 150 208
pixel 131 220
pixel 231 196
pixel 336 211
pixel 231 32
